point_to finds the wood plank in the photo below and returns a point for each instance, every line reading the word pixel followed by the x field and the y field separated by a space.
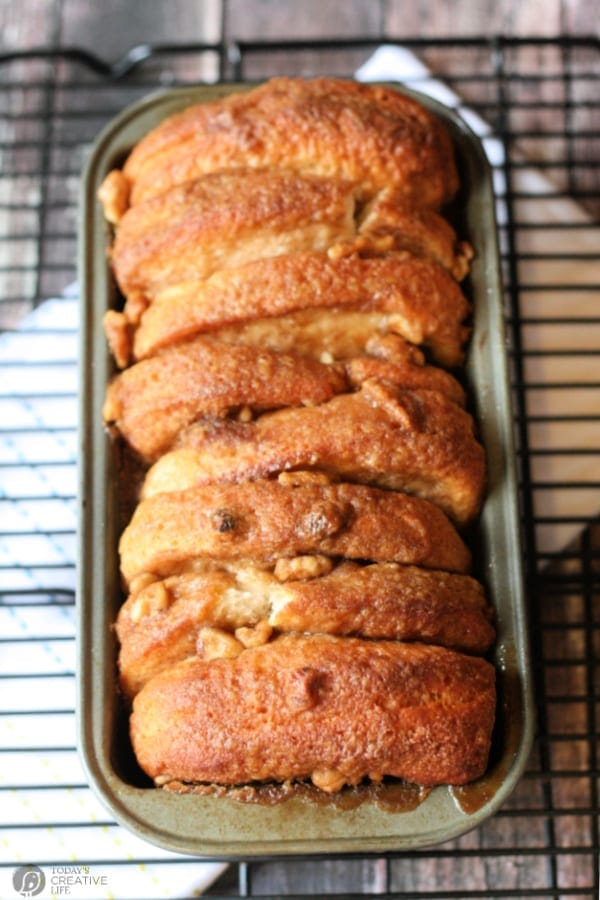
pixel 272 19
pixel 111 27
pixel 463 18
pixel 312 20
pixel 27 23
pixel 319 876
pixel 580 17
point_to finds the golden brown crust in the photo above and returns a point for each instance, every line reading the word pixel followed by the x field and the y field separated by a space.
pixel 153 400
pixel 387 600
pixel 400 293
pixel 393 360
pixel 412 440
pixel 393 221
pixel 222 221
pixel 264 520
pixel 368 134
pixel 118 333
pixel 161 624
pixel 334 710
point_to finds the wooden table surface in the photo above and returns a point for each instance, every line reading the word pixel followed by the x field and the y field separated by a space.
pixel 109 28
pixel 112 26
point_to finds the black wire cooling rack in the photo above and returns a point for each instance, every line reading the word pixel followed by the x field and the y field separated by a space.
pixel 541 101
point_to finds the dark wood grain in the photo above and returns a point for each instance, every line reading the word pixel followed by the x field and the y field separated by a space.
pixel 463 17
pixel 111 27
pixel 312 19
pixel 309 19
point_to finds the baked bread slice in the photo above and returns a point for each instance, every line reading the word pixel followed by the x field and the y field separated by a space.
pixel 310 303
pixel 367 134
pixel 391 222
pixel 412 440
pixel 391 359
pixel 265 520
pixel 333 710
pixel 226 219
pixel 166 621
pixel 153 400
pixel 222 221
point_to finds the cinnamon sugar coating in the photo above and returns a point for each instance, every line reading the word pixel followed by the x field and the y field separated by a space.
pixel 264 520
pixel 160 624
pixel 289 304
pixel 364 133
pixel 222 221
pixel 314 304
pixel 329 709
pixel 153 400
pixel 413 440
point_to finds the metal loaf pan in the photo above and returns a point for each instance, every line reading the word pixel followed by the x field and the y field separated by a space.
pixel 223 828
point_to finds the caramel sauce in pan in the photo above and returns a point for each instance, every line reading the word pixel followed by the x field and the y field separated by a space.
pixel 470 798
pixel 392 796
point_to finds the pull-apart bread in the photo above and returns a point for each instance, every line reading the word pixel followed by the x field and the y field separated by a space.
pixel 291 329
pixel 242 604
pixel 408 440
pixel 311 302
pixel 371 136
pixel 265 520
pixel 335 710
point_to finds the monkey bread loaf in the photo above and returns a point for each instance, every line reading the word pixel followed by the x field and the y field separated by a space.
pixel 289 343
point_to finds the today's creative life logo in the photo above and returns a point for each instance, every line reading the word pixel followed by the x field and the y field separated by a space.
pixel 29 881
pixel 61 881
